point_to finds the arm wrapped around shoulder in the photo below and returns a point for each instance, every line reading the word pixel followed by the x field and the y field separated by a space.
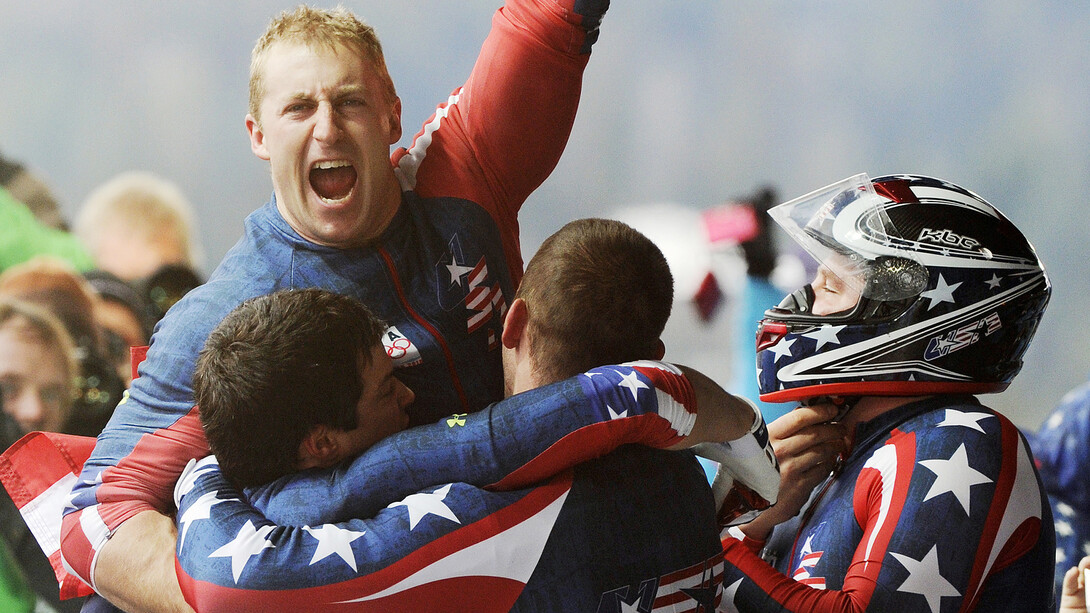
pixel 747 481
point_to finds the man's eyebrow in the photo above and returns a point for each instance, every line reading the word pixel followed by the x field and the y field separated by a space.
pixel 352 89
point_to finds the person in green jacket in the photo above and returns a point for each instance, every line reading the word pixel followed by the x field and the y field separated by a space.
pixel 22 237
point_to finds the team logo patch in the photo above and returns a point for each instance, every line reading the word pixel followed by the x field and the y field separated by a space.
pixel 400 349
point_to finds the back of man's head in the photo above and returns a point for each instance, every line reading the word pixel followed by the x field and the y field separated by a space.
pixel 274 368
pixel 597 292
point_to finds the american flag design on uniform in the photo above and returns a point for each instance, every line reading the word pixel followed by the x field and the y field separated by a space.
pixel 227 552
pixel 458 546
pixel 937 508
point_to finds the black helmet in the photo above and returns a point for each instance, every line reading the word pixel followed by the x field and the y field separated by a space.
pixel 951 294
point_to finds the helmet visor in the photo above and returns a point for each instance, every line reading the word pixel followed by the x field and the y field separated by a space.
pixel 845 228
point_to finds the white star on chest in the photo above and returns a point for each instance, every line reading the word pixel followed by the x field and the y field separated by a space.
pixel 202 509
pixel 924 578
pixel 422 504
pixel 633 383
pixel 993 283
pixel 333 540
pixel 954 476
pixel 782 348
pixel 963 418
pixel 248 543
pixel 808 546
pixel 825 334
pixel 456 271
pixel 941 293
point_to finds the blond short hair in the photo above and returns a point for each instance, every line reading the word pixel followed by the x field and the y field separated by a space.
pixel 145 204
pixel 315 27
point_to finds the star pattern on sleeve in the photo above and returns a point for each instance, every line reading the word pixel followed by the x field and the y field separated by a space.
pixel 633 383
pixel 333 539
pixel 729 593
pixel 955 476
pixel 247 543
pixel 422 504
pixel 964 418
pixel 1055 420
pixel 202 509
pixel 614 414
pixel 924 578
pixel 1063 528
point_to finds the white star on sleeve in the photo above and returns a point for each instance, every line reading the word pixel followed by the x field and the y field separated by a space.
pixel 729 594
pixel 963 418
pixel 1056 419
pixel 193 471
pixel 201 509
pixel 1063 528
pixel 633 383
pixel 423 504
pixel 924 578
pixel 782 348
pixel 954 476
pixel 1065 509
pixel 614 414
pixel 334 540
pixel 246 545
pixel 941 293
pixel 825 334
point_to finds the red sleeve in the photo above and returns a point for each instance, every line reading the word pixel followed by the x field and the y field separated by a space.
pixel 498 137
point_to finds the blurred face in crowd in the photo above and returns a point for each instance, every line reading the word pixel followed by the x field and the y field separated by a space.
pixel 326 124
pixel 34 378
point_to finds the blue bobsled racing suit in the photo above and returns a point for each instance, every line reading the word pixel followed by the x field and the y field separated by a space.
pixel 441 274
pixel 391 531
pixel 937 507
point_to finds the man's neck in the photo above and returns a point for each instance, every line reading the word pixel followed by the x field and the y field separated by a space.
pixel 869 407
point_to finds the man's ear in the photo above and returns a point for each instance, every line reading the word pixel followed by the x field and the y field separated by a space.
pixel 660 349
pixel 514 324
pixel 319 449
pixel 257 138
pixel 394 125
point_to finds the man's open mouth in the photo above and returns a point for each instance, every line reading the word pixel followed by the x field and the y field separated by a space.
pixel 332 180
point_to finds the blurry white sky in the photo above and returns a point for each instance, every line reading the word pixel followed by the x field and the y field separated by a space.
pixel 686 102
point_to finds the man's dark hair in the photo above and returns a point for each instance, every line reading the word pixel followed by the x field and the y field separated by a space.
pixel 598 292
pixel 274 368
